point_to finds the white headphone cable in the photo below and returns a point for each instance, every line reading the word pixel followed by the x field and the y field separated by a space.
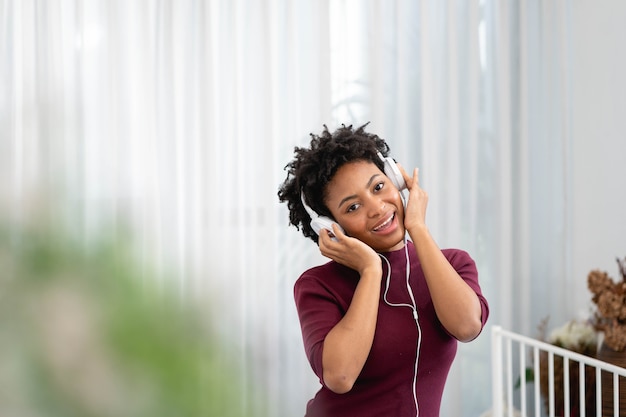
pixel 413 307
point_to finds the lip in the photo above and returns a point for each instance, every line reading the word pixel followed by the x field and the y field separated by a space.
pixel 387 225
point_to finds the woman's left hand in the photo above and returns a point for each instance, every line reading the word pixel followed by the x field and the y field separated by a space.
pixel 415 210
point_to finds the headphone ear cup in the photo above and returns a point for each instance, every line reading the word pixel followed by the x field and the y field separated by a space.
pixel 393 172
pixel 321 222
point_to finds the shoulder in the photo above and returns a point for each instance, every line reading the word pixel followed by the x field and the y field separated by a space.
pixel 462 262
pixel 329 278
pixel 320 272
pixel 325 290
pixel 457 255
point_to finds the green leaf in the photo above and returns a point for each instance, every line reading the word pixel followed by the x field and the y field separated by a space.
pixel 530 377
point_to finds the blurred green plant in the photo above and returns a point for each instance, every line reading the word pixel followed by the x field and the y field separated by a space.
pixel 85 332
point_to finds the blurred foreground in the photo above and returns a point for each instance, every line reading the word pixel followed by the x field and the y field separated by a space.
pixel 84 332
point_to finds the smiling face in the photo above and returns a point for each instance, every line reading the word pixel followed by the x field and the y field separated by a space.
pixel 367 205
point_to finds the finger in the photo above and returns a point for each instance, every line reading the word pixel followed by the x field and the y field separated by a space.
pixel 407 178
pixel 325 243
pixel 338 231
pixel 324 238
pixel 328 238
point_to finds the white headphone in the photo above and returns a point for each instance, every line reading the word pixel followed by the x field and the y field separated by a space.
pixel 393 172
pixel 322 222
pixel 319 222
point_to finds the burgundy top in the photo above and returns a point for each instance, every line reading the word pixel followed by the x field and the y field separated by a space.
pixel 384 387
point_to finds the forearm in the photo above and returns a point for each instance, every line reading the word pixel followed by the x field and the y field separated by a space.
pixel 456 304
pixel 347 345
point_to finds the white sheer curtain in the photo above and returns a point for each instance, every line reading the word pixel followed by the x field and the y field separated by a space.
pixel 177 117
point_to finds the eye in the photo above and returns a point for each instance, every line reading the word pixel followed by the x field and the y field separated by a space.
pixel 352 207
pixel 379 186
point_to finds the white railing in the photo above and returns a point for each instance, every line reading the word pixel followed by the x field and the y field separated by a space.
pixel 509 385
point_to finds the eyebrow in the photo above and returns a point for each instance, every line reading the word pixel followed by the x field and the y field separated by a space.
pixel 350 197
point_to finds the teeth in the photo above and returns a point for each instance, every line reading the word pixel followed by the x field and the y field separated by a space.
pixel 384 224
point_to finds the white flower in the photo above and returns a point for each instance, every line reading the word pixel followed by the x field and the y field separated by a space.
pixel 573 334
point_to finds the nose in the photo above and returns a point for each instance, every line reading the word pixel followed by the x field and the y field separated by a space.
pixel 377 207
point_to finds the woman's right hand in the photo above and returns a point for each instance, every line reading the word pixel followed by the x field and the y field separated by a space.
pixel 349 251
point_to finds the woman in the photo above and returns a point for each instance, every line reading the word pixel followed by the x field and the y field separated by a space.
pixel 381 321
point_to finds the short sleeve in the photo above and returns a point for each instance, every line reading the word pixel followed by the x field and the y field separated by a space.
pixel 319 308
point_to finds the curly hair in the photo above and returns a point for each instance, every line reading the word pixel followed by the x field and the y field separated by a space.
pixel 313 168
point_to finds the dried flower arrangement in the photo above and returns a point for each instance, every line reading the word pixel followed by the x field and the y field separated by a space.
pixel 610 300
